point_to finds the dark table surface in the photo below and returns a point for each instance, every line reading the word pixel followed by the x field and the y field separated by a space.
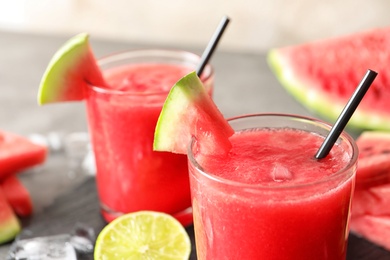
pixel 243 84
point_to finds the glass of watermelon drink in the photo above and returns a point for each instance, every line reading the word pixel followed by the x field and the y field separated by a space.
pixel 122 119
pixel 269 198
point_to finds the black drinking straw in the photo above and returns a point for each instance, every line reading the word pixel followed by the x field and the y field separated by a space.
pixel 212 45
pixel 346 114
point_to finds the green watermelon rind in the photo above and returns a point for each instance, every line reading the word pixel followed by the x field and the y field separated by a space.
pixel 318 101
pixel 9 224
pixel 9 229
pixel 374 136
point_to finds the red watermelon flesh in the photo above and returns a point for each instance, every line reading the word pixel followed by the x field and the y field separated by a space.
pixel 373 228
pixel 9 224
pixel 374 159
pixel 372 201
pixel 372 173
pixel 370 216
pixel 17 196
pixel 18 153
pixel 322 75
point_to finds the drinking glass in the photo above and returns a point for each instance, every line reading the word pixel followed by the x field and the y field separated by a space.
pixel 234 219
pixel 122 119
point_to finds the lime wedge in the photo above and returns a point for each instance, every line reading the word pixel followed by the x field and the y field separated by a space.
pixel 143 235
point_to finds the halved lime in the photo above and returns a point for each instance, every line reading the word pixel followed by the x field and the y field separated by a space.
pixel 143 235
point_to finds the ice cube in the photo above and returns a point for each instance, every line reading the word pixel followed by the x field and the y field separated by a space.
pixel 281 173
pixel 56 247
pixel 76 147
pixel 83 238
pixel 53 141
pixel 88 164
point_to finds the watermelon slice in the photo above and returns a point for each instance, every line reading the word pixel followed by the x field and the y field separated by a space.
pixel 373 201
pixel 373 228
pixel 190 112
pixel 18 153
pixel 70 70
pixel 17 196
pixel 374 159
pixel 322 75
pixel 370 215
pixel 9 224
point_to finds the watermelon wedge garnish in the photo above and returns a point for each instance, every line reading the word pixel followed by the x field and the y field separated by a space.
pixel 322 75
pixel 190 112
pixel 71 68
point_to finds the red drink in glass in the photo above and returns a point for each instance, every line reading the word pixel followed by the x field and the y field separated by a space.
pixel 269 198
pixel 122 120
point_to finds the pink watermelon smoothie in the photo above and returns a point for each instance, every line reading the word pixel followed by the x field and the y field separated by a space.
pixel 268 198
pixel 122 120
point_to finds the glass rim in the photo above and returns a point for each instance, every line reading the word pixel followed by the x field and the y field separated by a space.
pixel 147 53
pixel 343 171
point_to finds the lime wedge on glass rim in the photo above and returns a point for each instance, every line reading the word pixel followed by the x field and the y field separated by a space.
pixel 143 235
